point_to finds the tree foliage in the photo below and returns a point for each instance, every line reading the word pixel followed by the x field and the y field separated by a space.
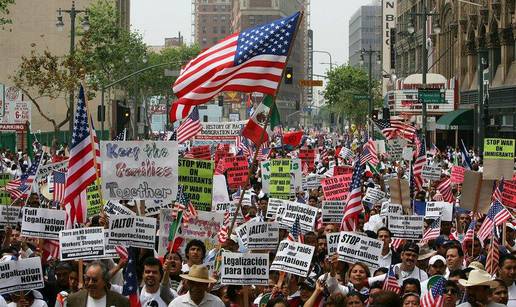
pixel 345 82
pixel 4 10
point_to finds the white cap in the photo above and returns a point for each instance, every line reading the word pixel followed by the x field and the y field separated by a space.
pixel 436 258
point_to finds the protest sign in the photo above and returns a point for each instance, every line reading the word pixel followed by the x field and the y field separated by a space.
pixel 93 199
pixel 279 183
pixel 247 201
pixel 42 223
pixel 200 152
pixel 45 170
pixel 332 242
pixel 9 216
pixel 273 205
pixel 214 133
pixel 431 172
pixel 380 147
pixel 153 207
pixel 407 153
pixel 293 257
pixel 395 148
pixel 139 170
pixel 355 247
pixel 204 227
pixel 481 200
pixel 260 235
pixel 231 208
pixel 313 181
pixel 109 249
pixel 115 208
pixel 296 179
pixel 342 170
pixel 237 170
pixel 244 269
pixel 131 230
pixel 307 156
pixel 220 191
pixel 22 274
pixel 498 158
pixel 509 193
pixel 408 227
pixel 400 193
pixel 196 177
pixel 439 209
pixel 391 209
pixel 336 187
pixel 306 214
pixel 82 243
pixel 222 151
pixel 332 211
pixel 373 195
pixel 457 174
pixel 265 168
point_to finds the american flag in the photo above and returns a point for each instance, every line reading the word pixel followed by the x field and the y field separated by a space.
pixel 497 193
pixel 433 231
pixel 323 153
pixel 189 213
pixel 122 251
pixel 180 203
pixel 51 249
pixel 263 152
pixel 23 187
pixel 435 296
pixel 493 255
pixel 250 61
pixel 223 232
pixel 130 287
pixel 496 215
pixel 369 153
pixel 12 188
pixel 397 243
pixel 391 281
pixel 59 186
pixel 419 163
pixel 295 232
pixel 444 188
pixel 393 128
pixel 190 127
pixel 243 147
pixel 470 234
pixel 354 202
pixel 82 170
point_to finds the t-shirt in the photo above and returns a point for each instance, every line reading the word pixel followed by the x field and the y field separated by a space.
pixel 96 303
pixel 151 299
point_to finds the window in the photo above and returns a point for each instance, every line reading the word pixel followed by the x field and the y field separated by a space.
pixel 222 18
pixel 507 120
pixel 215 19
pixel 215 30
pixel 222 30
pixel 204 30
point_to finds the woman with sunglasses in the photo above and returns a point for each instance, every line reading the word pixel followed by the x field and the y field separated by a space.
pixel 451 294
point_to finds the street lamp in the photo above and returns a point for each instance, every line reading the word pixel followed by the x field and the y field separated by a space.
pixel 60 26
pixel 325 52
pixel 370 53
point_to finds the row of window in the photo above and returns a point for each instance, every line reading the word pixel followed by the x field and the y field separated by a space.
pixel 215 30
pixel 215 18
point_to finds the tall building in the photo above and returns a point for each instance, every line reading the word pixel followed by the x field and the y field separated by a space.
pixel 365 32
pixel 211 21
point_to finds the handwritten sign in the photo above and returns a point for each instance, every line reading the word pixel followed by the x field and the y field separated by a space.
pixel 244 269
pixel 307 157
pixel 22 274
pixel 332 211
pixel 42 223
pixel 205 228
pixel 431 172
pixel 509 194
pixel 354 247
pixel 196 176
pixel 406 226
pixel 337 187
pixel 131 230
pixel 293 257
pixel 395 148
pixel 82 243
pixel 279 184
pixel 140 170
pixel 93 199
pixel 457 174
pixel 237 171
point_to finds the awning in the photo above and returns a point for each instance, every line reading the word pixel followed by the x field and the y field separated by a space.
pixel 461 119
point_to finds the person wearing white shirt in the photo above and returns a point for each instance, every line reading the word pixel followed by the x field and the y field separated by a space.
pixel 407 268
pixel 387 256
pixel 154 293
pixel 198 281
pixel 507 273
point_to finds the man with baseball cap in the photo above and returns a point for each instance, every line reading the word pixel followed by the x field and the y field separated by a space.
pixel 436 266
pixel 197 280
pixel 407 267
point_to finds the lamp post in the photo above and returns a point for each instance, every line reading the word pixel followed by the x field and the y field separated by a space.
pixel 325 52
pixel 73 12
pixel 370 53
pixel 424 54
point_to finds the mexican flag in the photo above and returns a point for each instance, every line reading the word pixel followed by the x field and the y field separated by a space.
pixel 256 124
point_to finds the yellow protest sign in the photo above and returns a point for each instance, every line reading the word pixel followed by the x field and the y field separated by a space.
pixel 498 149
pixel 94 200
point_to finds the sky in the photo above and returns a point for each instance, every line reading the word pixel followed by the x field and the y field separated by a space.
pixel 329 20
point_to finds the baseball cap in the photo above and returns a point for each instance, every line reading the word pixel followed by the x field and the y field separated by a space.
pixel 411 247
pixel 440 240
pixel 436 258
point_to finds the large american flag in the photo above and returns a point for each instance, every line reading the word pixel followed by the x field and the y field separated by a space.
pixel 82 170
pixel 190 127
pixel 250 61
pixel 23 187
pixel 496 215
pixel 354 202
pixel 59 187
pixel 419 163
pixel 435 296
pixel 130 288
pixel 394 128
pixel 369 153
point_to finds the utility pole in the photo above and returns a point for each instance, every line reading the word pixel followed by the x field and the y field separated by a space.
pixel 370 52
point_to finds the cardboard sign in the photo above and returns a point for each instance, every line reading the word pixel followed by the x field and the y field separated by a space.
pixel 431 172
pixel 93 199
pixel 42 223
pixel 509 193
pixel 131 230
pixel 407 153
pixel 307 215
pixel 457 174
pixel 307 156
pixel 293 257
pixel 406 226
pixel 391 209
pixel 498 158
pixel 355 247
pixel 439 209
pixel 139 170
pixel 20 275
pixel 400 192
pixel 373 195
pixel 9 216
pixel 196 177
pixel 337 187
pixel 395 148
pixel 237 170
pixel 279 184
pixel 205 228
pixel 332 242
pixel 244 269
pixel 332 211
pixel 479 201
pixel 273 205
pixel 82 243
pixel 265 167
pixel 114 208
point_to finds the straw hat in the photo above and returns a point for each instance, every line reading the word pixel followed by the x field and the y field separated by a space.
pixel 478 278
pixel 475 265
pixel 44 191
pixel 198 273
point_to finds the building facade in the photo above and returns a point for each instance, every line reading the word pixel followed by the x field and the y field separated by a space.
pixel 211 21
pixel 365 32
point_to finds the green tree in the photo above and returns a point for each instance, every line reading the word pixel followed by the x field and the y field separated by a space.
pixel 4 10
pixel 345 82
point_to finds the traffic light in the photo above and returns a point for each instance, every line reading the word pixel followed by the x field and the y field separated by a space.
pixel 101 113
pixel 386 114
pixel 123 116
pixel 374 114
pixel 221 100
pixel 289 75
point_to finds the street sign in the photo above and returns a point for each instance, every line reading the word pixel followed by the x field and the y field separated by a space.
pixel 311 83
pixel 431 95
pixel 361 97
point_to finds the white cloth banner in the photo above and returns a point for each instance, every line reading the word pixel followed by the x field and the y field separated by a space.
pixel 82 243
pixel 244 269
pixel 293 257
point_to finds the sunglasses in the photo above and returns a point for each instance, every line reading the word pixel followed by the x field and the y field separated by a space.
pixel 451 291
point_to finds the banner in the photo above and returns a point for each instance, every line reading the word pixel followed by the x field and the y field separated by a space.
pixel 509 193
pixel 354 247
pixel 131 230
pixel 279 184
pixel 237 171
pixel 139 170
pixel 441 209
pixel 196 177
pixel 244 269
pixel 408 227
pixel 307 157
pixel 293 257
pixel 93 199
pixel 81 243
pixel 373 195
pixel 214 133
pixel 336 187
pixel 115 208
pixel 20 275
pixel 332 211
pixel 265 169
pixel 154 207
pixel 332 242
pixel 258 235
pixel 457 174
pixel 205 228
pixel 45 170
pixel 42 223
pixel 307 215
pixel 431 172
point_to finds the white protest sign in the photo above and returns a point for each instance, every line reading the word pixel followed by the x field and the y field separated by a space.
pixel 273 205
pixel 242 232
pixel 313 181
pixel 407 153
pixel 47 169
pixel 131 230
pixel 9 215
pixel 42 223
pixel 296 177
pixel 109 249
pixel 22 274
pixel 391 209
pixel 220 191
pixel 395 148
pixel 408 227
pixel 332 241
pixel 332 211
pixel 441 209
pixel 355 247
pixel 373 195
pixel 231 208
pixel 293 257
pixel 262 235
pixel 214 133
pixel 380 147
pixel 82 243
pixel 153 207
pixel 246 202
pixel 265 169
pixel 244 269
pixel 306 214
pixel 431 172
pixel 139 170
pixel 114 208
pixel 204 227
